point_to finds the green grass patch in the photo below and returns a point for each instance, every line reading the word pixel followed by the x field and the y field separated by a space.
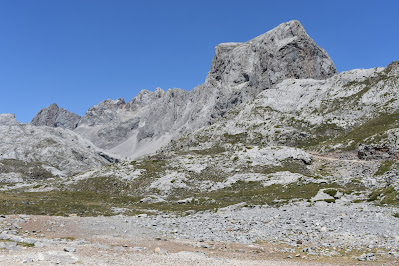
pixel 254 193
pixel 70 238
pixel 384 167
pixel 152 166
pixel 385 196
pixel 62 203
pixel 30 170
pixel 236 138
pixel 102 185
pixel 290 165
pixel 23 244
pixel 215 149
pixel 372 127
pixel 315 133
pixel 331 192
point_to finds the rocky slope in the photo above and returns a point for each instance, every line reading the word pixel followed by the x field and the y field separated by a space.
pixel 339 113
pixel 332 140
pixel 238 73
pixel 30 152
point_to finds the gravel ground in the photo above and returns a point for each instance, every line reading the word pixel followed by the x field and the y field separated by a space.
pixel 322 223
pixel 118 240
pixel 296 234
pixel 320 229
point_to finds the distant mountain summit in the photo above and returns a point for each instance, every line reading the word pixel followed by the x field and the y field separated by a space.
pixel 53 116
pixel 239 71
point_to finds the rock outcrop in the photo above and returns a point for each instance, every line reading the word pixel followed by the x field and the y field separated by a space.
pixel 8 120
pixel 53 116
pixel 284 52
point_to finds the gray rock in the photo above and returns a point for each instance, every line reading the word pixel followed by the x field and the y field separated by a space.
pixel 69 249
pixel 367 257
pixel 8 120
pixel 53 116
pixel 184 201
pixel 11 246
pixel 138 249
pixel 40 245
pixel 57 257
pixel 29 240
pixel 374 152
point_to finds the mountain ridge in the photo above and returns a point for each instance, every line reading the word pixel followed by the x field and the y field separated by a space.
pixel 238 73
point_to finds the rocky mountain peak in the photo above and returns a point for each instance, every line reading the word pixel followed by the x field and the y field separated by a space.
pixel 54 116
pixel 283 31
pixel 286 51
pixel 104 111
pixel 393 67
pixel 144 98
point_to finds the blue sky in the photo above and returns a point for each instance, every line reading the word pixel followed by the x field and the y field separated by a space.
pixel 77 53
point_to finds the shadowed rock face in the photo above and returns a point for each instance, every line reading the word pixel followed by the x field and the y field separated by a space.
pixel 238 73
pixel 53 116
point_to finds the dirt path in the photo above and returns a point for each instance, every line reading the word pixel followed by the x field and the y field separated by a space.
pixel 332 158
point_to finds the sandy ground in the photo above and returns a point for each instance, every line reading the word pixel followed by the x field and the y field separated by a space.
pixel 118 241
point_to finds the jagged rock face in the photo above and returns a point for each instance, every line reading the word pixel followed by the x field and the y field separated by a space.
pixel 144 98
pixel 110 110
pixel 8 120
pixel 103 112
pixel 53 116
pixel 284 52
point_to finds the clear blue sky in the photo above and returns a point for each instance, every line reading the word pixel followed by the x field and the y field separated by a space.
pixel 77 53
